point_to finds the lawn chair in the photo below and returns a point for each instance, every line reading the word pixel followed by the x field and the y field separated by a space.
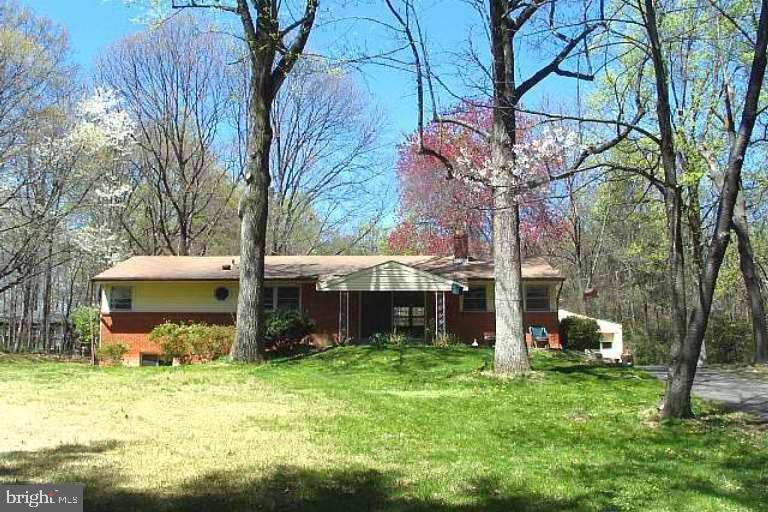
pixel 539 336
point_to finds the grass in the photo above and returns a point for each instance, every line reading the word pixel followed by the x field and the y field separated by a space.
pixel 371 428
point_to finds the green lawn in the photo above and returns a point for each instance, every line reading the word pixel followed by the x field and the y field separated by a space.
pixel 366 428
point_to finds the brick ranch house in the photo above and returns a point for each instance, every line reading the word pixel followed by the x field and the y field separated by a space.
pixel 346 296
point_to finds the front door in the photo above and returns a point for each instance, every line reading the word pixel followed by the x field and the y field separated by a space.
pixel 409 313
pixel 376 313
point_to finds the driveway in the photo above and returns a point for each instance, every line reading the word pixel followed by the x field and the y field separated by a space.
pixel 732 391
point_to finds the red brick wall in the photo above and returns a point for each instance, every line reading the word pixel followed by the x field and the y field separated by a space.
pixel 323 308
pixel 470 326
pixel 473 326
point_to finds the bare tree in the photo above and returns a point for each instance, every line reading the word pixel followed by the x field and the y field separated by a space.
pixel 34 75
pixel 172 80
pixel 324 161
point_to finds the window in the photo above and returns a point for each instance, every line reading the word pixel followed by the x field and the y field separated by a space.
pixel 537 298
pixel 120 297
pixel 269 298
pixel 153 360
pixel 474 299
pixel 288 297
pixel 284 297
pixel 221 293
pixel 606 345
pixel 402 316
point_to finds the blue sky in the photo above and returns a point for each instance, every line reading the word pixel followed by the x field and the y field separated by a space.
pixel 95 24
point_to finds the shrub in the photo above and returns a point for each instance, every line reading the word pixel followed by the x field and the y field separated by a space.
pixel 215 341
pixel 113 352
pixel 185 341
pixel 445 340
pixel 396 339
pixel 378 338
pixel 580 333
pixel 646 347
pixel 286 327
pixel 85 322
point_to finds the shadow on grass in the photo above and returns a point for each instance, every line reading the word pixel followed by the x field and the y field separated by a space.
pixel 284 488
pixel 402 359
pixel 597 371
pixel 353 488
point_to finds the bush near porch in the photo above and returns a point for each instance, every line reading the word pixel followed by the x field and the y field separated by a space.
pixel 371 428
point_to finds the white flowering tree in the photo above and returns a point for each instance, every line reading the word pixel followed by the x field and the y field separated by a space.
pixel 68 191
pixel 99 142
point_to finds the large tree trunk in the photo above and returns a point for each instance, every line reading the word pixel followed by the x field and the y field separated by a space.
pixel 511 354
pixel 253 211
pixel 751 280
pixel 677 401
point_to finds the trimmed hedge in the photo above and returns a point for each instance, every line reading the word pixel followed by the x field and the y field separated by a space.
pixel 187 341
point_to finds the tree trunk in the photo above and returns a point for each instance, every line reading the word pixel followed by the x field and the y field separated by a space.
pixel 673 203
pixel 511 351
pixel 696 245
pixel 511 354
pixel 677 401
pixel 45 334
pixel 253 210
pixel 751 280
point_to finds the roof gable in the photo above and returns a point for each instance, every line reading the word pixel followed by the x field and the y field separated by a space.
pixel 389 276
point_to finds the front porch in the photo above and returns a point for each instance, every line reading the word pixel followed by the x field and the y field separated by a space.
pixel 391 297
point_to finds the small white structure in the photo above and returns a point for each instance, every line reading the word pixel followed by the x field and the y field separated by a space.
pixel 611 342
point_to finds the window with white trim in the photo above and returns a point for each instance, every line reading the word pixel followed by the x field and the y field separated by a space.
pixel 537 298
pixel 120 298
pixel 281 297
pixel 474 299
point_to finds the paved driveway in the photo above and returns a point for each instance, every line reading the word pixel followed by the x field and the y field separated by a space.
pixel 734 392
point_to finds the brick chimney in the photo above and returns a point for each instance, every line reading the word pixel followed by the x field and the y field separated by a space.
pixel 460 245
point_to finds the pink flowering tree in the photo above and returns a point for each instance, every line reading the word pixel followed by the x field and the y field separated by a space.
pixel 434 205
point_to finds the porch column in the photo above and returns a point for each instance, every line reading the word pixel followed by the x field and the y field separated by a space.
pixel 343 316
pixel 439 313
